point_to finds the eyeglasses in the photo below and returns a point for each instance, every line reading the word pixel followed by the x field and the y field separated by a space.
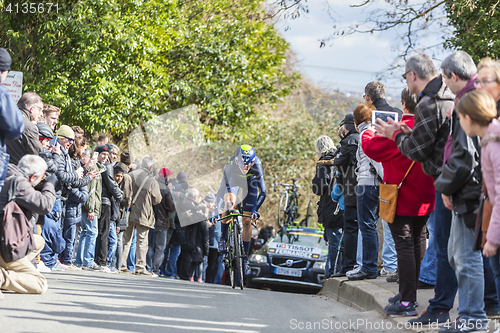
pixel 404 75
pixel 69 139
pixel 364 96
pixel 484 82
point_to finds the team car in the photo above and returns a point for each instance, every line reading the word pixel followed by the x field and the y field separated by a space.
pixel 293 258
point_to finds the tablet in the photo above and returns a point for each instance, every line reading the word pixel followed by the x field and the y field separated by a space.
pixel 384 115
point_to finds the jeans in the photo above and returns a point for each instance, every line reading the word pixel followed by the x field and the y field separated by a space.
pixel 175 251
pixel 495 267
pixel 446 280
pixel 429 263
pixel 77 239
pixel 116 261
pixel 131 254
pixel 333 235
pixel 113 242
pixel 468 266
pixel 490 292
pixel 407 231
pixel 162 237
pixel 220 270
pixel 367 200
pixel 86 246
pixel 151 250
pixel 101 246
pixel 350 238
pixel 69 233
pixel 389 255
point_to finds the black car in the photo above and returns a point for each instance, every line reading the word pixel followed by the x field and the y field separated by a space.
pixel 295 257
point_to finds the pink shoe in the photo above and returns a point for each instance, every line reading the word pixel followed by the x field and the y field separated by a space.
pixel 200 280
pixel 191 279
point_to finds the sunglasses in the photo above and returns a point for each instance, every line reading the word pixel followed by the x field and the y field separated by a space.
pixel 69 139
pixel 404 75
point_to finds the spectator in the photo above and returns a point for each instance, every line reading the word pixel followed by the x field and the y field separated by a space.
pixel 78 131
pixel 416 199
pixel 21 276
pixel 488 79
pixel 110 191
pixel 266 232
pixel 346 163
pixel 477 113
pixel 31 107
pixel 113 153
pixel 91 211
pixel 11 119
pixel 460 187
pixel 51 115
pixel 375 95
pixel 425 144
pixel 214 258
pixel 119 171
pixel 102 139
pixel 322 185
pixel 146 194
pixel 126 187
pixel 369 175
pixel 165 217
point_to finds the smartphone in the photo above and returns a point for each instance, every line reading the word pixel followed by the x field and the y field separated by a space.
pixel 53 141
pixel 96 154
pixel 384 115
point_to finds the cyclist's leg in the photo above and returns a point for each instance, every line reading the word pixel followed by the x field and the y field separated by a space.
pixel 229 199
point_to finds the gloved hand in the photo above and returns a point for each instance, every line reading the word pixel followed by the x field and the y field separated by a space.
pixel 51 179
pixel 213 219
pixel 255 216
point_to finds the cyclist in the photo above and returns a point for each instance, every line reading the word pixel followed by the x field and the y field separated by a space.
pixel 243 171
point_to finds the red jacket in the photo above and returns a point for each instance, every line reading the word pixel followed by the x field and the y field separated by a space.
pixel 417 195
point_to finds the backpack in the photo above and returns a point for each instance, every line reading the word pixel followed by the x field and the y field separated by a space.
pixel 16 232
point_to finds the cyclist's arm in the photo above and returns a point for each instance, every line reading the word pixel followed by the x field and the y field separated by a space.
pixel 262 187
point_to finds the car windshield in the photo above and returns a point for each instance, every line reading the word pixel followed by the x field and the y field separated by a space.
pixel 300 238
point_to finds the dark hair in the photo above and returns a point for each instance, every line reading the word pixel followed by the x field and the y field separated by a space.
pixel 77 130
pixel 409 99
pixel 75 150
pixel 102 137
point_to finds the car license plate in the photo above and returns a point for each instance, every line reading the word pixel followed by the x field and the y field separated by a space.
pixel 287 271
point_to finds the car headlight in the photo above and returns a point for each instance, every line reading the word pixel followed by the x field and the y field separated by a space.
pixel 258 258
pixel 319 265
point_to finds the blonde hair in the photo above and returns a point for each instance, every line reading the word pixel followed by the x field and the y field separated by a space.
pixel 478 105
pixel 490 63
pixel 363 113
pixel 48 109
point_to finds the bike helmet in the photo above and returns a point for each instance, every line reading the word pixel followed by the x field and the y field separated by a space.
pixel 245 154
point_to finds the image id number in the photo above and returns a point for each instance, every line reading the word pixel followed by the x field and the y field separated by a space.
pixel 32 7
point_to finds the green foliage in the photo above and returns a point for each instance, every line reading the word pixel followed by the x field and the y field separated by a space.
pixel 477 27
pixel 111 64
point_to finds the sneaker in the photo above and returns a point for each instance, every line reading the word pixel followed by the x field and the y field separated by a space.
pixel 191 279
pixel 361 276
pixel 200 280
pixel 397 298
pixel 246 267
pixel 429 317
pixel 42 268
pixel 93 267
pixel 125 270
pixel 401 310
pixel 462 326
pixel 105 269
pixel 59 267
pixel 145 273
pixel 112 270
pixel 72 267
pixel 392 278
pixel 386 272
pixel 353 271
pixel 154 274
pixel 222 246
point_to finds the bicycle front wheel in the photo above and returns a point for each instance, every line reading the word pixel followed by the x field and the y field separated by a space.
pixel 282 209
pixel 293 210
pixel 239 255
pixel 231 255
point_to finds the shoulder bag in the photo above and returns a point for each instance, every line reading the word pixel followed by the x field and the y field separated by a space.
pixel 388 198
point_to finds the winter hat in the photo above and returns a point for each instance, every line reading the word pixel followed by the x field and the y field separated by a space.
pixel 165 172
pixel 125 157
pixel 181 176
pixel 348 122
pixel 5 60
pixel 45 130
pixel 66 131
pixel 209 197
pixel 101 148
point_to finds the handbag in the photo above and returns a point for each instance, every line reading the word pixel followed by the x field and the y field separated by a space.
pixel 482 221
pixel 388 198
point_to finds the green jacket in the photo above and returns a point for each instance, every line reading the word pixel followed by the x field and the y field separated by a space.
pixel 94 201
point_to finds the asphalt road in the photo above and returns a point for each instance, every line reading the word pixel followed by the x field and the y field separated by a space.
pixel 80 301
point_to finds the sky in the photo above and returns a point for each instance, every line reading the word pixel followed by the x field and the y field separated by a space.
pixel 347 64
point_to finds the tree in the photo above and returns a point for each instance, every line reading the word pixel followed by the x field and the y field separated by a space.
pixel 111 64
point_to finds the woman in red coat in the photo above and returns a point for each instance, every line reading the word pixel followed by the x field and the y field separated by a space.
pixel 416 200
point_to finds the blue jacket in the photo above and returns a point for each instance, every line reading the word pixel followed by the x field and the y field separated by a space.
pixel 76 197
pixel 214 235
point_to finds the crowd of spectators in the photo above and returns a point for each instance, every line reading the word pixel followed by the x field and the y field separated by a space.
pixel 446 191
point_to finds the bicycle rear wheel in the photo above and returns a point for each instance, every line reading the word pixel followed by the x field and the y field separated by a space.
pixel 239 255
pixel 282 209
pixel 309 215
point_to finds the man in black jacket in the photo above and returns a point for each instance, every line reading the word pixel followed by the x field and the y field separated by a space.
pixel 346 161
pixel 110 190
pixel 329 213
pixel 375 94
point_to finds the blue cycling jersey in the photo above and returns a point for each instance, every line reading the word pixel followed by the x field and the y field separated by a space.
pixel 252 185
